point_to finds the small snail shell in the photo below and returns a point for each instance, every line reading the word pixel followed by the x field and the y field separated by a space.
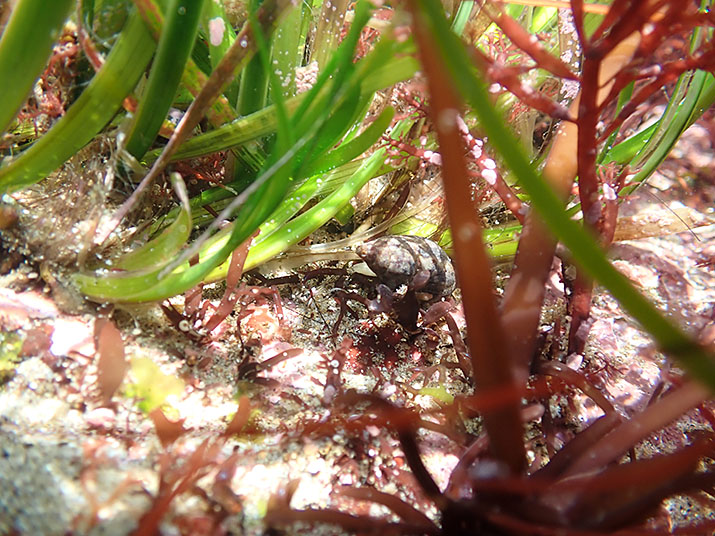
pixel 396 260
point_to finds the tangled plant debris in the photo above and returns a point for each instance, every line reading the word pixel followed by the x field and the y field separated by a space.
pixel 189 345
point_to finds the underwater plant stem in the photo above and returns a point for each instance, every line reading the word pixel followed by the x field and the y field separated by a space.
pixel 587 253
pixel 595 88
pixel 524 293
pixel 491 365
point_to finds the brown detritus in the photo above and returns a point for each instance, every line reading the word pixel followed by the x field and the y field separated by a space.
pixel 8 217
pixel 166 430
pixel 112 363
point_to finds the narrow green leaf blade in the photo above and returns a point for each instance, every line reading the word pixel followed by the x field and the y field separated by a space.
pixel 25 45
pixel 181 25
pixel 90 112
pixel 309 221
pixel 354 148
pixel 264 122
pixel 163 248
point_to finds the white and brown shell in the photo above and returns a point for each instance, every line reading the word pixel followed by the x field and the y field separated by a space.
pixel 396 260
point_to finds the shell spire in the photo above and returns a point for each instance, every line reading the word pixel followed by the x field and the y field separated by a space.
pixel 398 259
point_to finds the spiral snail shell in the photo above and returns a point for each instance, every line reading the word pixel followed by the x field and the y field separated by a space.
pixel 400 260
